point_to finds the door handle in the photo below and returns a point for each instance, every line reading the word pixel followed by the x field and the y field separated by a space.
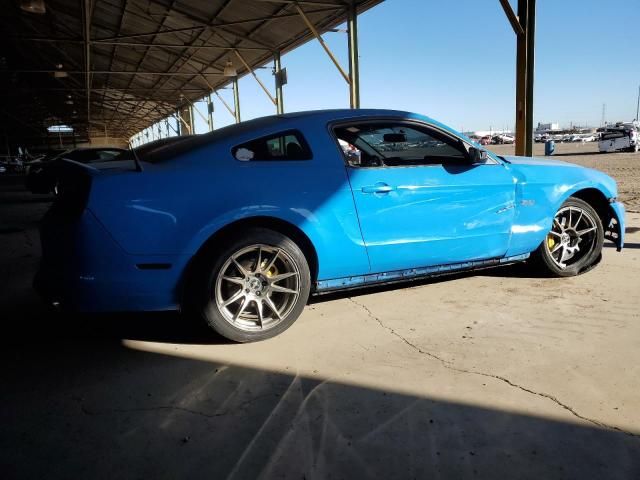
pixel 379 187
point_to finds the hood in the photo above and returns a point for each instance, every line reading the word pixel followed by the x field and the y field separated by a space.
pixel 533 161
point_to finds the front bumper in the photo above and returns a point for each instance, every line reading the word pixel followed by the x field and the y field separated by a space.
pixel 616 228
pixel 83 269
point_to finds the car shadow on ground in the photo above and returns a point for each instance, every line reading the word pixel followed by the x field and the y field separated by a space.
pixel 101 410
pixel 78 401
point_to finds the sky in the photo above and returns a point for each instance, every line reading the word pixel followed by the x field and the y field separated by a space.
pixel 455 61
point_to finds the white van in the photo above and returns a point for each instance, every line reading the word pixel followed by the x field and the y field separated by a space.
pixel 616 139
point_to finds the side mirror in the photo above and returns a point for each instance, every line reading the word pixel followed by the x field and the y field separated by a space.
pixel 477 155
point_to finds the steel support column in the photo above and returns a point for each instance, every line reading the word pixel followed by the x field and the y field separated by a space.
pixel 524 27
pixel 531 47
pixel 192 123
pixel 277 68
pixel 210 112
pixel 354 62
pixel 521 79
pixel 236 100
pixel 87 11
pixel 178 125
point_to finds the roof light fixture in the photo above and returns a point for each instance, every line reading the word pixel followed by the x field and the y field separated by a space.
pixel 59 73
pixel 33 6
pixel 229 70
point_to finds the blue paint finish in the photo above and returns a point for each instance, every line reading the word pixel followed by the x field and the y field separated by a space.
pixel 83 267
pixel 541 188
pixel 363 223
pixel 433 214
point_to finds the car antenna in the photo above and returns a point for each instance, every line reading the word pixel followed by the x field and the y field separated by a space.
pixel 136 160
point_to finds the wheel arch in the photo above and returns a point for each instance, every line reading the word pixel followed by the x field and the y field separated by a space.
pixel 602 205
pixel 235 228
pixel 597 199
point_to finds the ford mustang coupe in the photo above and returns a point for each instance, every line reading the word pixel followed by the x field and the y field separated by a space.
pixel 242 224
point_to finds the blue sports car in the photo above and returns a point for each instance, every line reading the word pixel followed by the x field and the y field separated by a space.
pixel 242 224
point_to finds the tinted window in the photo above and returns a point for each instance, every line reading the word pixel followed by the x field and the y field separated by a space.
pixel 289 145
pixel 396 144
pixel 92 155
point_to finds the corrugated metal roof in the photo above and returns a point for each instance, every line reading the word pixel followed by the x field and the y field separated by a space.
pixel 144 54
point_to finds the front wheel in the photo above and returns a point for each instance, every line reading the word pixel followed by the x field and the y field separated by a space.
pixel 256 287
pixel 574 243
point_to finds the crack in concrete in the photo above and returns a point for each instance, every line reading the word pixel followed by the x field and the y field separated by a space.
pixel 241 406
pixel 89 412
pixel 449 365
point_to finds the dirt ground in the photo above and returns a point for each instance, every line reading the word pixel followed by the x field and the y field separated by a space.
pixel 497 374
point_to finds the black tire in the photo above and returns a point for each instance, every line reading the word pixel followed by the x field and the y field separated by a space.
pixel 214 316
pixel 587 259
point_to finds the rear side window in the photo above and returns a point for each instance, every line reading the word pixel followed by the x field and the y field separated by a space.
pixel 289 145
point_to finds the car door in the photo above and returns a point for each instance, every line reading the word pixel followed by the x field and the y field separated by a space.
pixel 420 200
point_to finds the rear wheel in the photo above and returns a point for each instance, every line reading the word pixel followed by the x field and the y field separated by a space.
pixel 574 243
pixel 256 287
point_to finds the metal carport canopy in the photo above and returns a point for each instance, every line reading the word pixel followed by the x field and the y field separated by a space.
pixel 121 65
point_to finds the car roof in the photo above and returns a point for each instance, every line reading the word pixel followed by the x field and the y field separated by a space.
pixel 271 122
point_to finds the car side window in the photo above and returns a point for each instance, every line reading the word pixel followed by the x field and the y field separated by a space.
pixel 289 145
pixel 397 145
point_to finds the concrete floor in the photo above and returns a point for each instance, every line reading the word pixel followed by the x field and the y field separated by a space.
pixel 493 375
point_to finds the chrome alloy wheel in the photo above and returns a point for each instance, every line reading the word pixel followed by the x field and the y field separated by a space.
pixel 572 236
pixel 257 287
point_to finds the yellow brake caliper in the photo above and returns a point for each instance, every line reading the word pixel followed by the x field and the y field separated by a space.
pixel 550 241
pixel 272 272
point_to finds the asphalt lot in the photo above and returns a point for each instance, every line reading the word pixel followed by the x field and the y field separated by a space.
pixel 497 374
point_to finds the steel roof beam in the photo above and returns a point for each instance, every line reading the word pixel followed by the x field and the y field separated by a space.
pixel 121 72
pixel 250 70
pixel 307 2
pixel 184 46
pixel 513 18
pixel 316 34
pixel 186 62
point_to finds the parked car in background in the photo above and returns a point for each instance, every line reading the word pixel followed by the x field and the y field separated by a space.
pixel 616 139
pixel 42 175
pixel 502 139
pixel 241 225
pixel 486 140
